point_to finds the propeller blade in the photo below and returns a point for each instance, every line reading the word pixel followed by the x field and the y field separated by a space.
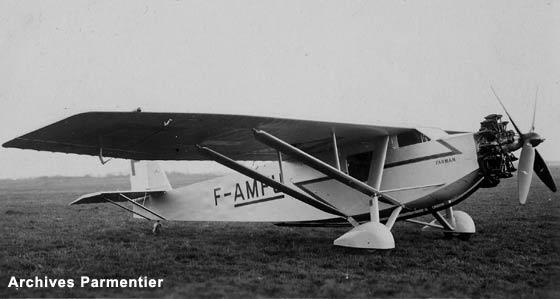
pixel 534 110
pixel 543 173
pixel 525 171
pixel 505 110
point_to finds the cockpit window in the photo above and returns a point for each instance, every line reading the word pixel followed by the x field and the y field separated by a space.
pixel 411 137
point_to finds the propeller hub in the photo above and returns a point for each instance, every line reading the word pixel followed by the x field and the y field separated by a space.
pixel 533 138
pixel 535 142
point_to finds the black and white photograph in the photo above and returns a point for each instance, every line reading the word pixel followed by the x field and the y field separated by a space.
pixel 279 149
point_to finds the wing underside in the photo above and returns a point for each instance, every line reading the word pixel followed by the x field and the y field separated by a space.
pixel 174 136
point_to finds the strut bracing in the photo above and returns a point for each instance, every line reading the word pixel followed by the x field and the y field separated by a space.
pixel 321 166
pixel 268 181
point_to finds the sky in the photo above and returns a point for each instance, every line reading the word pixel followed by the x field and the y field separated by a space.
pixel 428 63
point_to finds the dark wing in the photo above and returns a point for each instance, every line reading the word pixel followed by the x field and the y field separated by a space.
pixel 173 136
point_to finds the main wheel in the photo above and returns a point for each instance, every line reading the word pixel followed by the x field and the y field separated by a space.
pixel 464 225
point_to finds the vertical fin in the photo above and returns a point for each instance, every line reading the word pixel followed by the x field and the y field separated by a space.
pixel 147 175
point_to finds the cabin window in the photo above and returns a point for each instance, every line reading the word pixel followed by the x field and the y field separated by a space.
pixel 358 165
pixel 411 137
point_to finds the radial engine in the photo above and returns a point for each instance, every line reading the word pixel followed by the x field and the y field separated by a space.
pixel 494 146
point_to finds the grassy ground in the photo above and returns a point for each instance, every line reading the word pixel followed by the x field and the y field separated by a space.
pixel 514 253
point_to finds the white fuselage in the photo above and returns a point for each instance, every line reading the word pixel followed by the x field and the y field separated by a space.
pixel 420 175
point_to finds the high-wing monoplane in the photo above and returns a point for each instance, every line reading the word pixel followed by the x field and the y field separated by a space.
pixel 318 173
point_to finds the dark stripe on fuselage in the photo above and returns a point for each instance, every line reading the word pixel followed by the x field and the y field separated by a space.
pixel 453 151
pixel 259 200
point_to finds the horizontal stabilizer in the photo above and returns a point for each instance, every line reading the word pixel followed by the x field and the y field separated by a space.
pixel 113 196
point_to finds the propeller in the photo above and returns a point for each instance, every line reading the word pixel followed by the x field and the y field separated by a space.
pixel 530 160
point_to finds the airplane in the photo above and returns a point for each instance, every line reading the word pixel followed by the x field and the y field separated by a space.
pixel 314 173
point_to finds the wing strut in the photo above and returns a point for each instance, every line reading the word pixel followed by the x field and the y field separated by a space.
pixel 280 166
pixel 324 206
pixel 335 151
pixel 323 167
pixel 123 207
pixel 442 220
pixel 378 157
pixel 142 207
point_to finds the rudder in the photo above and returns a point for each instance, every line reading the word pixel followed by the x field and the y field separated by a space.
pixel 147 175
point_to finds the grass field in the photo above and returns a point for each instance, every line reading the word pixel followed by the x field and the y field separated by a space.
pixel 514 253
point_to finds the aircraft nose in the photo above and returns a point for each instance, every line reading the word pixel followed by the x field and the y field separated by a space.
pixel 534 138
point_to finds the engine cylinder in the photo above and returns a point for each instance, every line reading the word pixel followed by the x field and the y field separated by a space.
pixel 493 141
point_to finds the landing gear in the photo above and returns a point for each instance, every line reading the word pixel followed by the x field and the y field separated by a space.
pixel 370 235
pixel 373 234
pixel 156 229
pixel 455 224
pixel 463 226
pixel 463 223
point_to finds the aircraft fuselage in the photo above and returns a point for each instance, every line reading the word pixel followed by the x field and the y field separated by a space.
pixel 421 176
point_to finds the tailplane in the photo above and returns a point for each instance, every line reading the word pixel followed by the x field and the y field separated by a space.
pixel 148 175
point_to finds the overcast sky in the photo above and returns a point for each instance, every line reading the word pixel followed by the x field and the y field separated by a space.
pixel 410 62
